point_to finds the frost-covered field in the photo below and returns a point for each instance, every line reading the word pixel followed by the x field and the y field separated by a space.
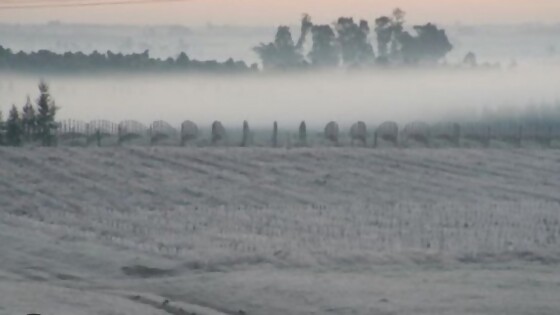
pixel 276 231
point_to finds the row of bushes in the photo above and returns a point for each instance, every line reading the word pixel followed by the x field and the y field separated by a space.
pixel 46 60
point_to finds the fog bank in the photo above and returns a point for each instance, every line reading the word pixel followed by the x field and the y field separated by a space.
pixel 373 97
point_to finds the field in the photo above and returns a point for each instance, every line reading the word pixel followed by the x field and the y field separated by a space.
pixel 120 230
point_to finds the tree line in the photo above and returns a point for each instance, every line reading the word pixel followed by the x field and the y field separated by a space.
pixel 34 123
pixel 45 60
pixel 347 43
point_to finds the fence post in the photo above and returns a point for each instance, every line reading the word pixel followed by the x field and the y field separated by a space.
pixel 275 135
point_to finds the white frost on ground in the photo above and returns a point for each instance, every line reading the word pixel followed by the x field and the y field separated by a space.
pixel 307 231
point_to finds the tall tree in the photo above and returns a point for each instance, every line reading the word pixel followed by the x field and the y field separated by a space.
pixel 389 30
pixel 353 41
pixel 324 52
pixel 384 31
pixel 397 27
pixel 280 54
pixel 429 45
pixel 28 120
pixel 2 126
pixel 283 53
pixel 46 112
pixel 306 26
pixel 14 129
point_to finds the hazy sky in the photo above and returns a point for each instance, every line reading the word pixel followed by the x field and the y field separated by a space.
pixel 267 12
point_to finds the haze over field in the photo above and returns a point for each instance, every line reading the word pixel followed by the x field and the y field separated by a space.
pixel 372 95
pixel 346 97
pixel 455 213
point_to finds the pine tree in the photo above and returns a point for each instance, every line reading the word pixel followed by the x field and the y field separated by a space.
pixel 2 129
pixel 46 112
pixel 28 121
pixel 14 130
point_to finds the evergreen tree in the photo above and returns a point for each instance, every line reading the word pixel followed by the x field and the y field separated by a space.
pixel 2 129
pixel 28 121
pixel 14 129
pixel 46 112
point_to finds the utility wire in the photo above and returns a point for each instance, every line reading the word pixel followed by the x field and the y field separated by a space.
pixel 42 1
pixel 67 4
pixel 55 2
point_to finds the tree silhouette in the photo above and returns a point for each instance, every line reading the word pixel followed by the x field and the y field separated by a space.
pixel 430 45
pixel 397 31
pixel 353 41
pixel 306 26
pixel 349 41
pixel 14 129
pixel 2 128
pixel 389 30
pixel 28 121
pixel 324 52
pixel 384 31
pixel 470 60
pixel 96 61
pixel 283 53
pixel 182 60
pixel 46 112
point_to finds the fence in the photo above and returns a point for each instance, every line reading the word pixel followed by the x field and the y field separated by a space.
pixel 466 134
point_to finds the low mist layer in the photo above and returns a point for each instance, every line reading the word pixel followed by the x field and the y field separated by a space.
pixel 345 97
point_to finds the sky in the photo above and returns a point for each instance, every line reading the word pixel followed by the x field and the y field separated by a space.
pixel 273 12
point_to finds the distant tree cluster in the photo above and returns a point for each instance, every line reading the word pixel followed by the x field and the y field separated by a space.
pixel 347 43
pixel 33 124
pixel 45 60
